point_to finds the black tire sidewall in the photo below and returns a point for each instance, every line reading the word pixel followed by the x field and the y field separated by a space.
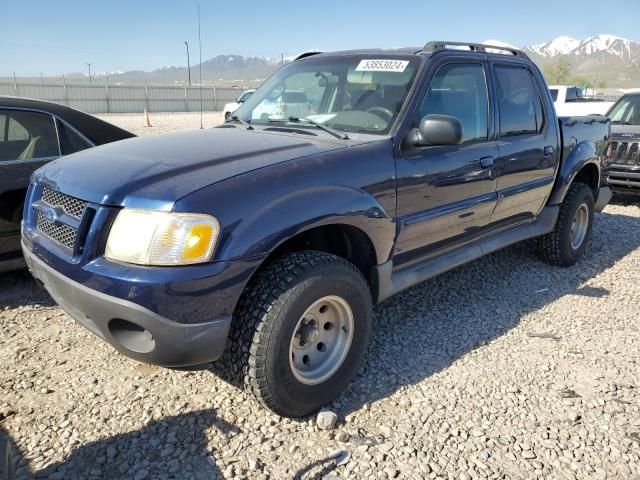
pixel 582 195
pixel 7 464
pixel 294 397
pixel 18 213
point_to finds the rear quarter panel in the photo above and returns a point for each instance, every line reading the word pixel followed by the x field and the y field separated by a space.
pixel 584 141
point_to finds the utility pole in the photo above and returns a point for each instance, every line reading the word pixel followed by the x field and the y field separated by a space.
pixel 282 58
pixel 200 46
pixel 41 80
pixel 89 65
pixel 188 63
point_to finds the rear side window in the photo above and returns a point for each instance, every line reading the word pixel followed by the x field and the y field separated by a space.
pixel 460 90
pixel 70 140
pixel 518 102
pixel 27 135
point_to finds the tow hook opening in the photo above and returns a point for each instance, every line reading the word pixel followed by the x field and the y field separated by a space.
pixel 131 336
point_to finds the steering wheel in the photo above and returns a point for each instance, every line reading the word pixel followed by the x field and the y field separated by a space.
pixel 383 113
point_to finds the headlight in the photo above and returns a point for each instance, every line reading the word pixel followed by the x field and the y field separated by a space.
pixel 148 237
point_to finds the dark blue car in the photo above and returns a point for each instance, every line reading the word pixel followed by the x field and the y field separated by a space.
pixel 269 239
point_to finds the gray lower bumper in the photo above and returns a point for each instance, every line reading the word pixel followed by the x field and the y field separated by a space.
pixel 134 330
pixel 604 197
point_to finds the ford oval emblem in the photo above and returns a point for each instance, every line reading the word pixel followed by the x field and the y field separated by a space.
pixel 50 215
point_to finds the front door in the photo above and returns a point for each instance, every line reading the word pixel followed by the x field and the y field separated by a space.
pixel 446 194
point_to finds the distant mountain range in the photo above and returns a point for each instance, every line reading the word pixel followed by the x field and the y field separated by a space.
pixel 607 58
pixel 223 69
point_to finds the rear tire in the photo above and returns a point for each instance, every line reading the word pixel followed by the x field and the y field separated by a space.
pixel 300 331
pixel 567 242
pixel 227 116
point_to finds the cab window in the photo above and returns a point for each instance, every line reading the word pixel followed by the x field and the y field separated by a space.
pixel 27 135
pixel 518 102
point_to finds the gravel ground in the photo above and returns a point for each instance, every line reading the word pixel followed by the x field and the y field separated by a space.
pixel 503 368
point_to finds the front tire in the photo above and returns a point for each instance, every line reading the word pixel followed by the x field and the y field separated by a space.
pixel 567 242
pixel 227 116
pixel 301 330
pixel 7 464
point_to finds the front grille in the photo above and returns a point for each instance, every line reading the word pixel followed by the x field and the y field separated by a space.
pixel 72 206
pixel 625 153
pixel 61 230
pixel 58 232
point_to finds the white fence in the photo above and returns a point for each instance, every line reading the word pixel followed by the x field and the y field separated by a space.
pixel 125 99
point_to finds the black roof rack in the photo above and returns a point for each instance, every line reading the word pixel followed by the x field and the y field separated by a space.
pixel 474 47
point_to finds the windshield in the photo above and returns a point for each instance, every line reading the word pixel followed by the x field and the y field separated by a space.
pixel 626 111
pixel 356 94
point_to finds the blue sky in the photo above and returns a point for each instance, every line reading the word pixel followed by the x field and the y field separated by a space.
pixel 59 37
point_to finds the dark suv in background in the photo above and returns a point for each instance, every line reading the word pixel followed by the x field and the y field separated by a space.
pixel 622 165
pixel 32 133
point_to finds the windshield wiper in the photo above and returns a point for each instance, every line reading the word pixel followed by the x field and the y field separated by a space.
pixel 242 122
pixel 321 126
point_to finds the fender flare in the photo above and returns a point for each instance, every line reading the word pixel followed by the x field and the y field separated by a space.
pixel 583 154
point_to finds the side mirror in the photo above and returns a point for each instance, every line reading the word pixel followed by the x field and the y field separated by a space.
pixel 436 130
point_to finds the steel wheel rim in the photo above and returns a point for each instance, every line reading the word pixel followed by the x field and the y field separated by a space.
pixel 321 340
pixel 579 226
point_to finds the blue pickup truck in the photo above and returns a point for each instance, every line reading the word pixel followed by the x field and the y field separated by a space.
pixel 269 239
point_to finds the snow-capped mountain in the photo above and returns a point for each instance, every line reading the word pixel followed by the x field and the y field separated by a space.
pixel 611 44
pixel 558 46
pixel 607 44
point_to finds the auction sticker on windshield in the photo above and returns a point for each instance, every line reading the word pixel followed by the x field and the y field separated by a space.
pixel 373 65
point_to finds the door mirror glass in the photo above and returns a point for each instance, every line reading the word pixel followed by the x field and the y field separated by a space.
pixel 436 129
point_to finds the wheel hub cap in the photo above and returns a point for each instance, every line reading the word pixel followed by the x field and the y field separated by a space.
pixel 579 226
pixel 321 340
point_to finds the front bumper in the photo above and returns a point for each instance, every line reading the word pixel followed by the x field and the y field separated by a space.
pixel 130 328
pixel 624 181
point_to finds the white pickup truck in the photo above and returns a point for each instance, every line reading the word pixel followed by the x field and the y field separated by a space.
pixel 570 101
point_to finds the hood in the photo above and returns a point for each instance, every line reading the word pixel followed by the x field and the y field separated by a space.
pixel 625 131
pixel 156 171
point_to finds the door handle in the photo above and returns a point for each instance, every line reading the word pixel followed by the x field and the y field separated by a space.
pixel 548 151
pixel 486 162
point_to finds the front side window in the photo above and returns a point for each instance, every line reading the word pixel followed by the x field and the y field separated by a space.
pixel 626 111
pixel 27 135
pixel 518 102
pixel 460 91
pixel 354 94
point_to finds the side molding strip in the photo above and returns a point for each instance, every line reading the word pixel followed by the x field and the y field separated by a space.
pixel 390 283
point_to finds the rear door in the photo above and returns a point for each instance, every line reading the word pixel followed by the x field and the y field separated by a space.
pixel 446 194
pixel 527 144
